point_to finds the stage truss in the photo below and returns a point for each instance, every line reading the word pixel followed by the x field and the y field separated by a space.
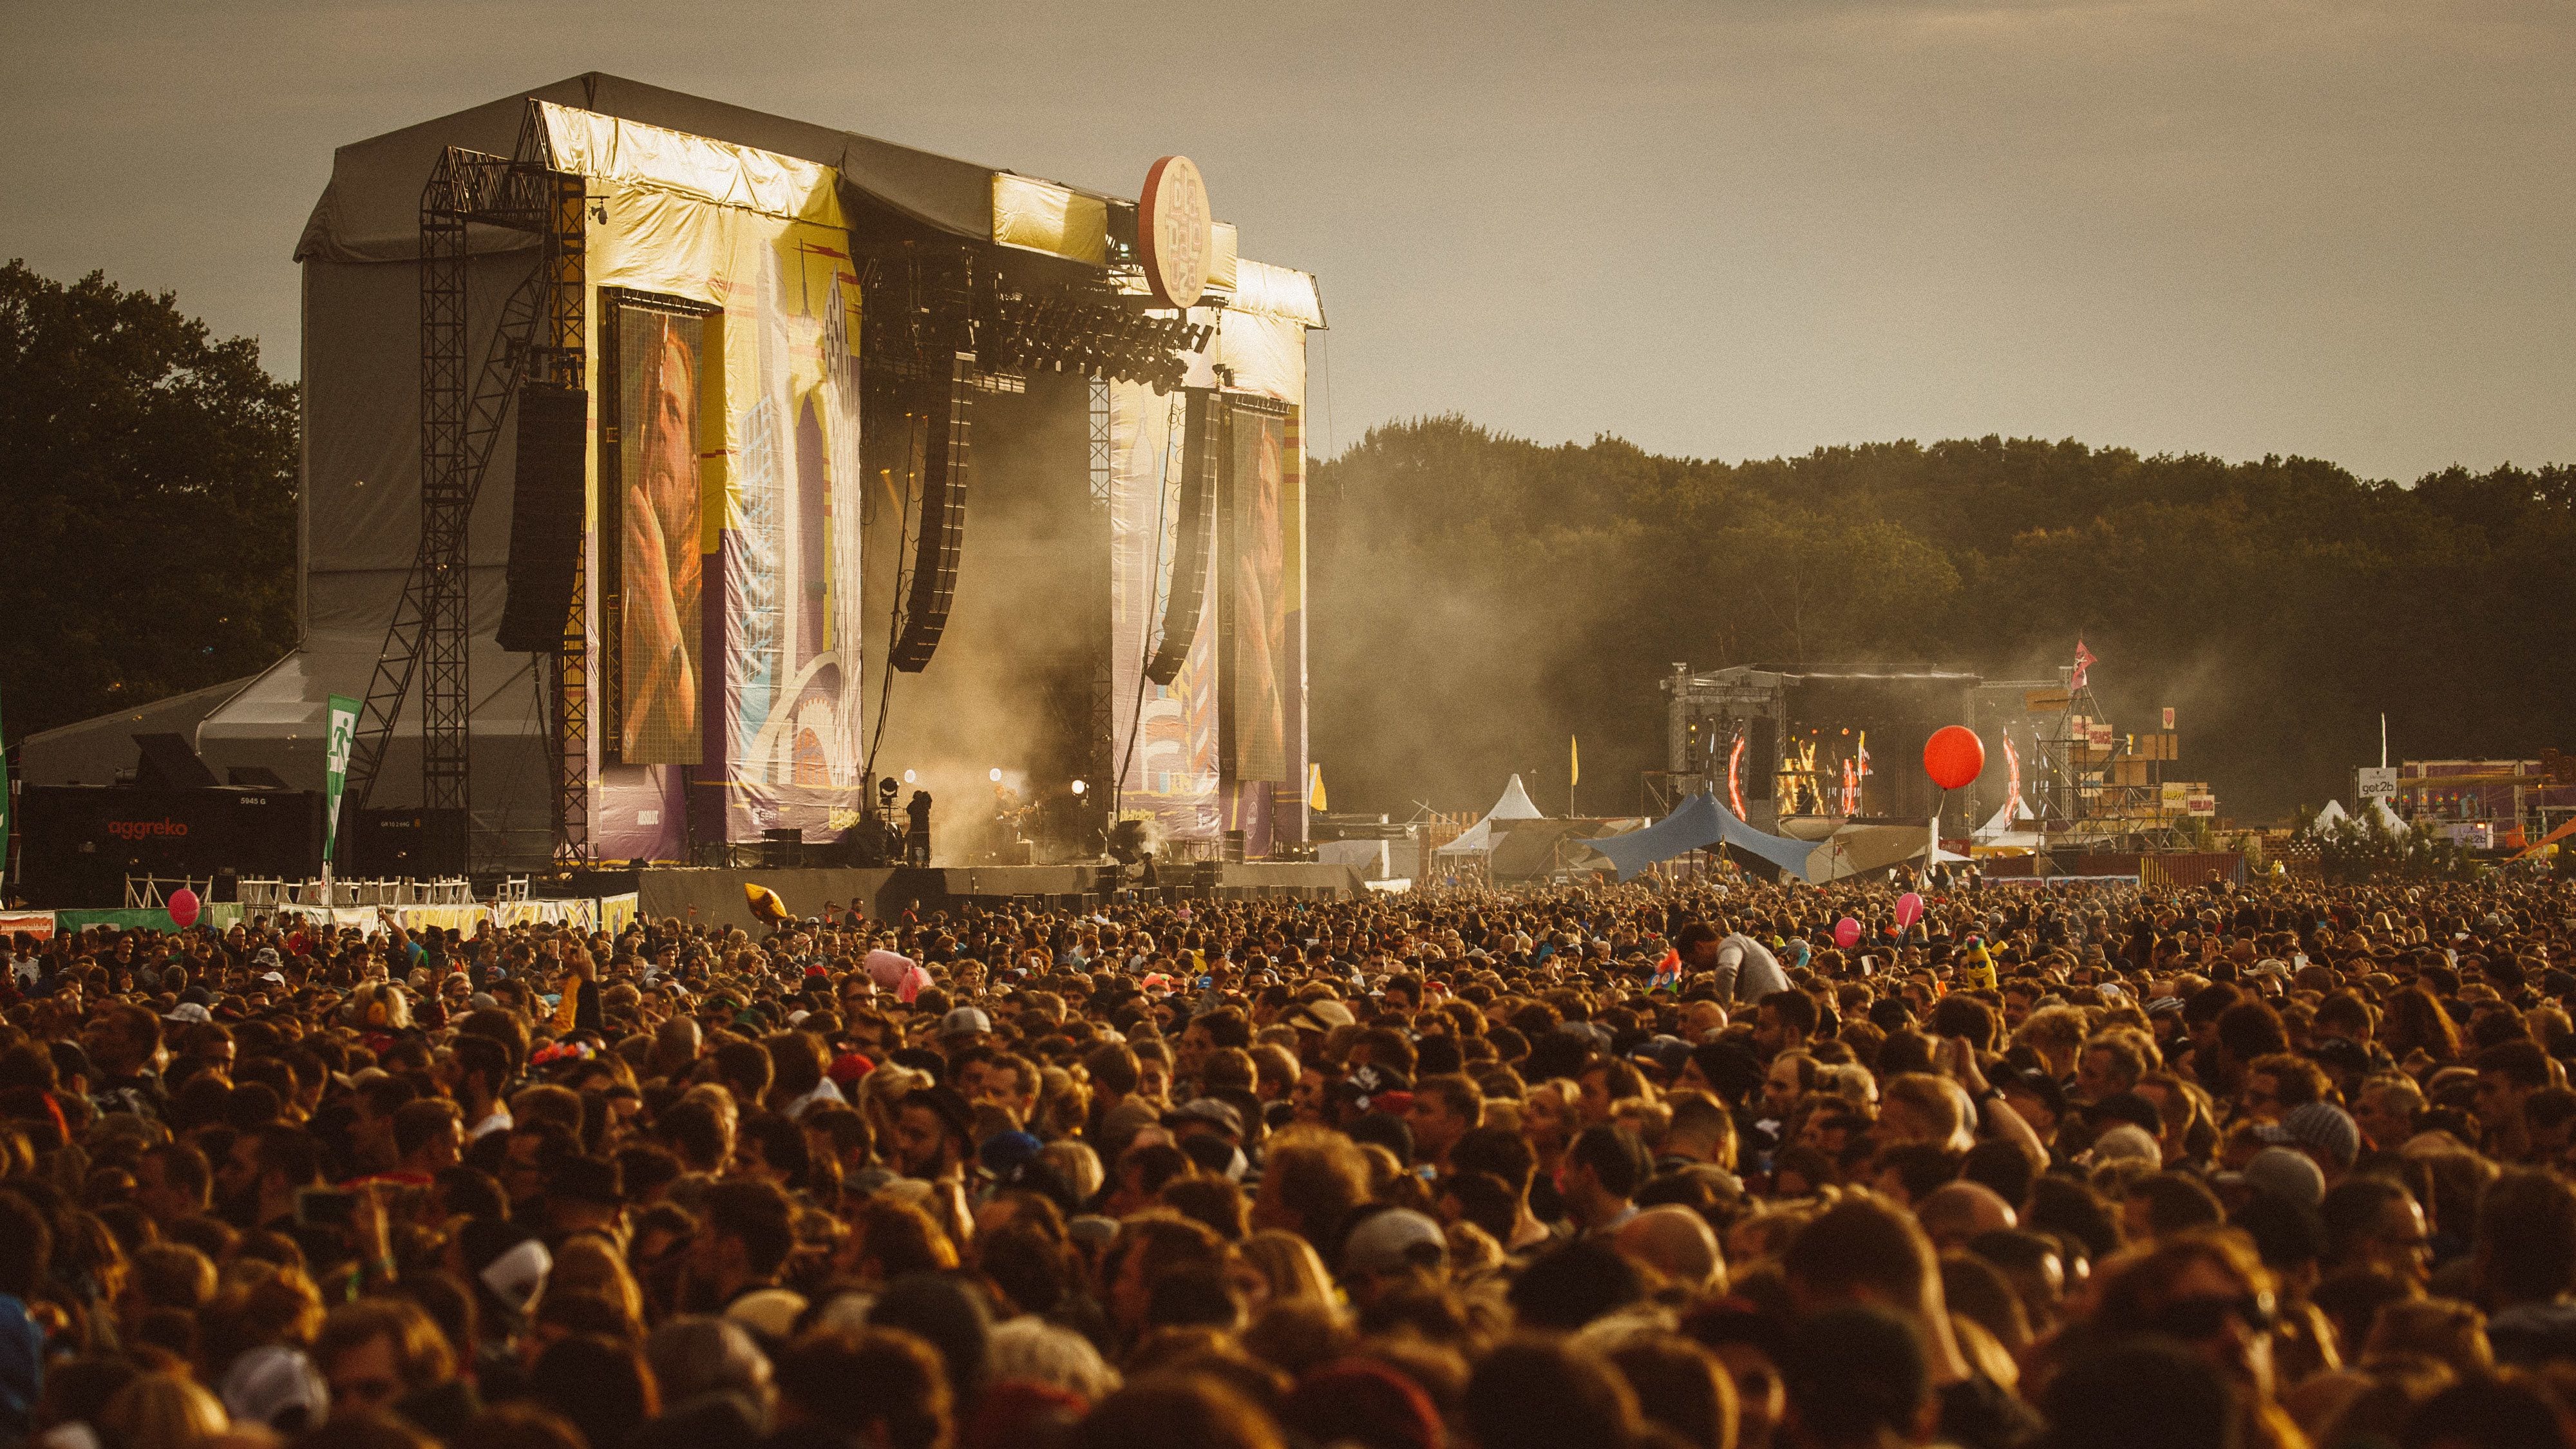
pixel 539 340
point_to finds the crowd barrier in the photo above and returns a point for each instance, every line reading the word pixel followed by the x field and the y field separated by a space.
pixel 586 913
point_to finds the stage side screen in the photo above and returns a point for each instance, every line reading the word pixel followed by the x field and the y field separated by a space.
pixel 1257 697
pixel 660 355
pixel 731 565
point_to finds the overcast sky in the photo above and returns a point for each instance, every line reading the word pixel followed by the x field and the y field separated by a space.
pixel 1733 229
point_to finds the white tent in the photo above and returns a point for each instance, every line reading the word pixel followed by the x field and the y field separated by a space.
pixel 2333 812
pixel 1478 839
pixel 1999 831
pixel 2387 819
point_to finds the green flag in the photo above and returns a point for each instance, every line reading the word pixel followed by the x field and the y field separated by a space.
pixel 335 771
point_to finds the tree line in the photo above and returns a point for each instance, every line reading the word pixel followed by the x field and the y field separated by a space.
pixel 1478 598
pixel 147 502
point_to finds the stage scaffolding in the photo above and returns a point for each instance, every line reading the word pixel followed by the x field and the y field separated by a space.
pixel 539 341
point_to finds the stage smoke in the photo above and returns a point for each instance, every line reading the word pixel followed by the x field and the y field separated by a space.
pixel 1132 842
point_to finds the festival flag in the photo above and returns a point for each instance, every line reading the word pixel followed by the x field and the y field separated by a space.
pixel 2084 661
pixel 1314 785
pixel 341 735
pixel 1668 972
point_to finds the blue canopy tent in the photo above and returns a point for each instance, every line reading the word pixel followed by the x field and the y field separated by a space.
pixel 1697 824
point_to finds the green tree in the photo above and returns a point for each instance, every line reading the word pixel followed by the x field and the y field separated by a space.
pixel 147 502
pixel 1476 596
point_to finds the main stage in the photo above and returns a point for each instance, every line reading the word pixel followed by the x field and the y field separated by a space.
pixel 717 895
pixel 639 433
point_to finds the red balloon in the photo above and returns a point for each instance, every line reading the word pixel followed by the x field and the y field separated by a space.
pixel 1954 757
pixel 183 907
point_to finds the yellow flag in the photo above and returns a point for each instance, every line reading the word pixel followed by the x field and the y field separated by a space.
pixel 1314 785
pixel 1573 761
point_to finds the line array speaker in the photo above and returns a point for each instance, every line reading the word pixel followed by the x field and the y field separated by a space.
pixel 1186 597
pixel 946 467
pixel 545 519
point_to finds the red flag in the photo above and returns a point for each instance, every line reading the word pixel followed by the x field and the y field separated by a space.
pixel 2084 661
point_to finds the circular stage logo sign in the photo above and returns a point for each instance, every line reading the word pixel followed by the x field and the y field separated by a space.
pixel 1175 231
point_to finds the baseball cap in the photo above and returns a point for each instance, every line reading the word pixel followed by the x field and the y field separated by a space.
pixel 1394 1240
pixel 2127 1107
pixel 277 1387
pixel 769 1312
pixel 965 1021
pixel 1322 1016
pixel 1669 1053
pixel 1368 1082
pixel 1209 1110
pixel 1006 1152
pixel 2127 1142
pixel 2283 1173
pixel 2320 1127
pixel 518 1275
pixel 588 1179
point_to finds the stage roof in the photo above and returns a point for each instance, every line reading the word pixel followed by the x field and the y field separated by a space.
pixel 370 211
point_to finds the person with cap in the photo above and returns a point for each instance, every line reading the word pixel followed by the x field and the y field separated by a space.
pixel 963 1029
pixel 584 1194
pixel 2322 1130
pixel 276 1387
pixel 1389 1248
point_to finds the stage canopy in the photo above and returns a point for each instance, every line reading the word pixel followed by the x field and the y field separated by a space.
pixel 1700 822
pixel 1478 839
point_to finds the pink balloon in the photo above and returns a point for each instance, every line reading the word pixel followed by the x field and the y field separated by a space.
pixel 1909 909
pixel 1846 933
pixel 184 906
pixel 897 973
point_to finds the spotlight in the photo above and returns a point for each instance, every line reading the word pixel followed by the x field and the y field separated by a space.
pixel 996 775
pixel 909 777
pixel 1079 787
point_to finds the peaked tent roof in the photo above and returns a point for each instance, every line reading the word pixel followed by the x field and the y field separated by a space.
pixel 1696 824
pixel 1478 838
pixel 1693 825
pixel 2001 823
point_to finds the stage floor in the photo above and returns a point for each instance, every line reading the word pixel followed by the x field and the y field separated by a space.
pixel 884 893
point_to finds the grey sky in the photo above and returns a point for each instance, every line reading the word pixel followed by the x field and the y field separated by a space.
pixel 1729 229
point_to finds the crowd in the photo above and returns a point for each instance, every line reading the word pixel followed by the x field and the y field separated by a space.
pixel 1633 1168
